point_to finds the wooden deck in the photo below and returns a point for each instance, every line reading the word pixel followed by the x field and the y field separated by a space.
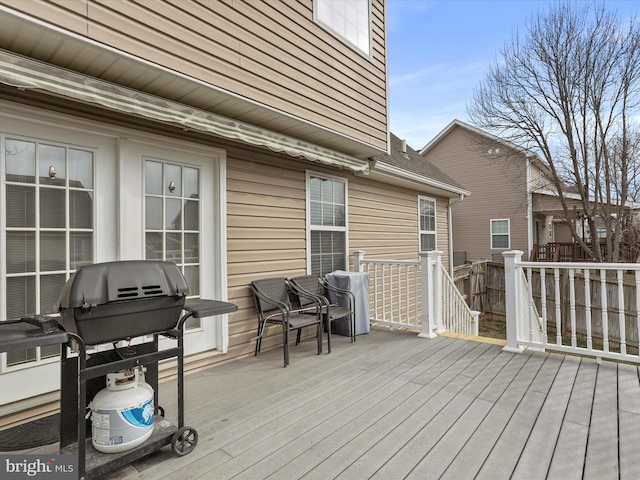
pixel 393 405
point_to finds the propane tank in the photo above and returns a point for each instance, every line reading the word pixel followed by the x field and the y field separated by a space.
pixel 122 413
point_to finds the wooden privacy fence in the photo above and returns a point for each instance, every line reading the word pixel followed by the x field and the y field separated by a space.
pixel 482 285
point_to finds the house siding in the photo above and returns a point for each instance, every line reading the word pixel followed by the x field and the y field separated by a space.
pixel 384 221
pixel 270 53
pixel 498 188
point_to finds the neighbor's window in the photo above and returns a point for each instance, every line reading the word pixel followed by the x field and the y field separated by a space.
pixel 427 212
pixel 500 233
pixel 326 224
pixel 48 208
pixel 348 19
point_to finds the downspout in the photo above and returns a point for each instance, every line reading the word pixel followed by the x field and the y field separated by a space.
pixel 452 202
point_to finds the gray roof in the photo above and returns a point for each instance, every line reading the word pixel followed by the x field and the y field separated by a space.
pixel 413 162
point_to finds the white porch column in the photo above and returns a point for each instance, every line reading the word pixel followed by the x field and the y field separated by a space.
pixel 428 315
pixel 512 298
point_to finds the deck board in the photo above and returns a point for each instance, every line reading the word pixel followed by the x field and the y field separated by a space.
pixel 469 459
pixel 601 460
pixel 629 421
pixel 393 405
pixel 536 457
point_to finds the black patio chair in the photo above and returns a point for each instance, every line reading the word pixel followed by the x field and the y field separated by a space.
pixel 311 289
pixel 273 305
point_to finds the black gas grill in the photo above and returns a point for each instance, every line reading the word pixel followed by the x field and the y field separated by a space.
pixel 112 301
pixel 108 302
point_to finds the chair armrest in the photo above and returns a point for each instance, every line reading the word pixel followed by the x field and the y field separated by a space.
pixel 339 291
pixel 301 292
pixel 284 308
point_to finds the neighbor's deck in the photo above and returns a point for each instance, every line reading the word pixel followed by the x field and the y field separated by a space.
pixel 393 405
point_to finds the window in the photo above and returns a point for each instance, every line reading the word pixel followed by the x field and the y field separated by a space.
pixel 326 224
pixel 49 202
pixel 348 19
pixel 172 219
pixel 427 221
pixel 500 233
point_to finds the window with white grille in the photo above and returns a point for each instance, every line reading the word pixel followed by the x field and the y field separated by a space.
pixel 427 223
pixel 49 227
pixel 327 224
pixel 172 219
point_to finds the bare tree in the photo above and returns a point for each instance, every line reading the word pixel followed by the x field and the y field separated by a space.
pixel 569 89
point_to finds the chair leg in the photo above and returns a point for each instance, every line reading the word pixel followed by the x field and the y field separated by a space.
pixel 328 325
pixel 259 339
pixel 353 328
pixel 298 336
pixel 285 344
pixel 319 337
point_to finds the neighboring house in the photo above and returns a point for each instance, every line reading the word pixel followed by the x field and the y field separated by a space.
pixel 239 139
pixel 512 205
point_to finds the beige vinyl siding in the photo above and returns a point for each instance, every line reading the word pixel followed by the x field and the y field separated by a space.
pixel 265 236
pixel 269 52
pixel 383 221
pixel 498 191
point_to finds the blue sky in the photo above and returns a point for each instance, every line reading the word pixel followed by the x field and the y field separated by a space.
pixel 438 53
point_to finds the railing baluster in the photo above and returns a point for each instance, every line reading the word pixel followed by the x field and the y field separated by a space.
pixel 572 306
pixel 391 292
pixel 605 314
pixel 587 307
pixel 384 293
pixel 556 278
pixel 621 320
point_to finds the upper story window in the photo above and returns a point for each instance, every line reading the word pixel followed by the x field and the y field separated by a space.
pixel 348 19
pixel 427 214
pixel 326 224
pixel 500 233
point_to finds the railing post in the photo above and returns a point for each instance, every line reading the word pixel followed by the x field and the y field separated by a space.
pixel 436 290
pixel 476 322
pixel 358 257
pixel 512 298
pixel 426 272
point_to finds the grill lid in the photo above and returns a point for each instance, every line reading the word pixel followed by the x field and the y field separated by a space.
pixel 102 283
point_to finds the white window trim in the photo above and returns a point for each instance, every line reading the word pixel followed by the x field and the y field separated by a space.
pixel 508 247
pixel 435 222
pixel 343 39
pixel 345 229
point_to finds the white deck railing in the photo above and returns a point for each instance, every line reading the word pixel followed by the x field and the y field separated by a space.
pixel 416 294
pixel 584 308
